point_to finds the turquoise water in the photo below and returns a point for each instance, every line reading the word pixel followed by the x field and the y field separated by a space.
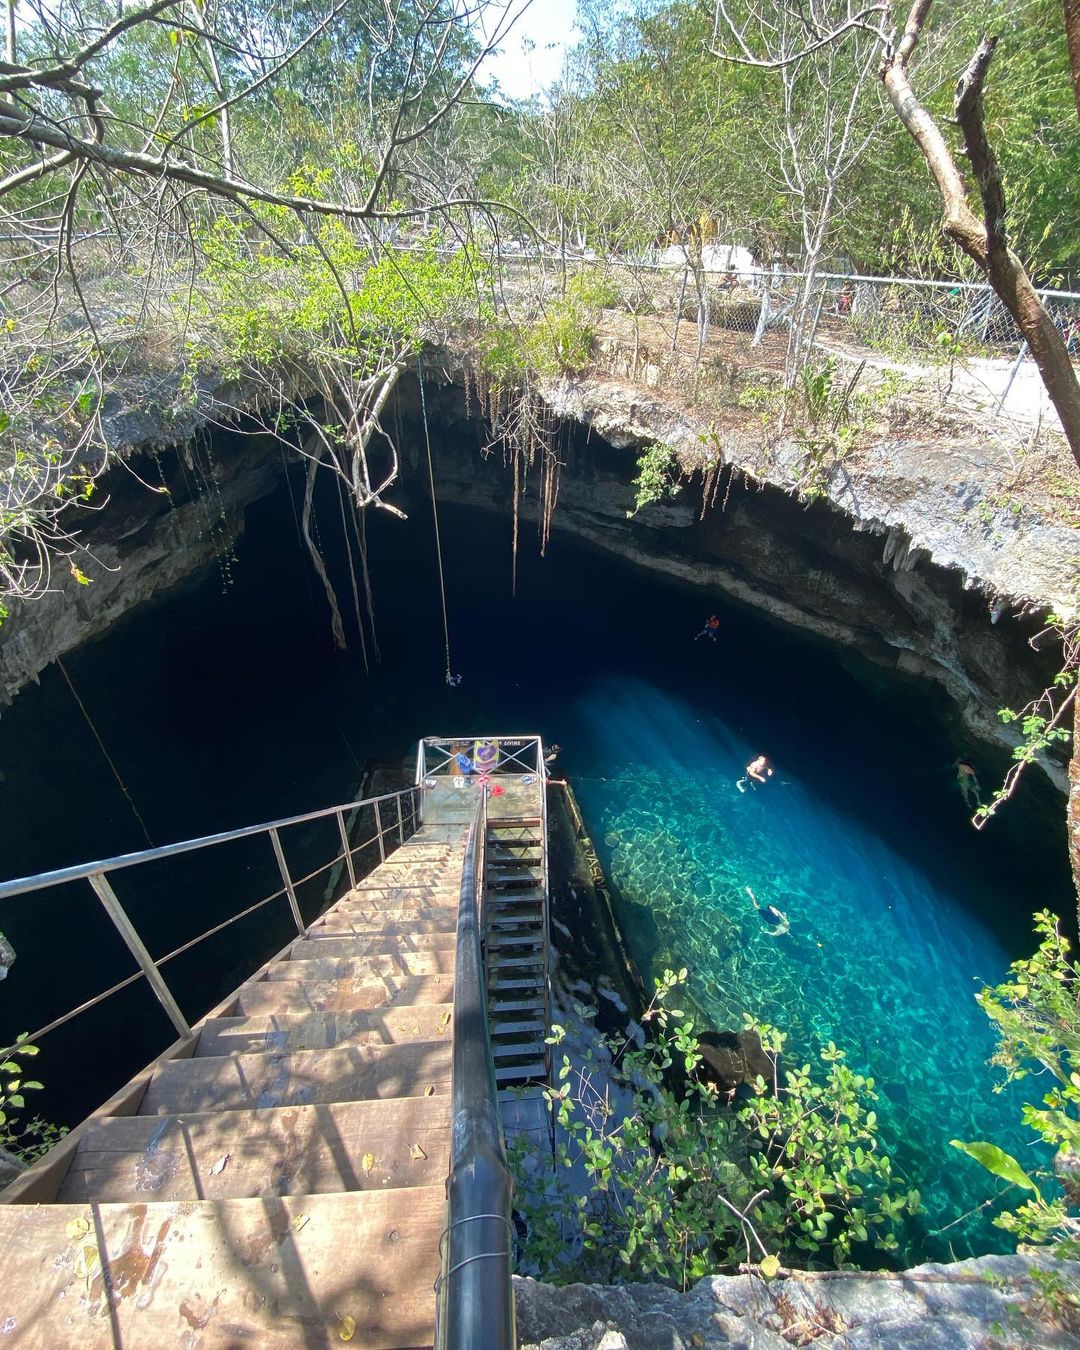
pixel 878 958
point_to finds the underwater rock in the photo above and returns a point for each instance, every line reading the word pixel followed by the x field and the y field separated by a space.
pixel 729 1058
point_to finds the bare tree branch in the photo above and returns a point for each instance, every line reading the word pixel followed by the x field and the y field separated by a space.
pixel 984 241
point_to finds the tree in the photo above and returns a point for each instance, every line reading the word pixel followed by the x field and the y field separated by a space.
pixel 824 130
pixel 135 145
pixel 825 25
pixel 984 240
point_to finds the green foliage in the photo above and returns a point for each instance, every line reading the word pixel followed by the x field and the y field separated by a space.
pixel 1039 723
pixel 1036 1012
pixel 818 385
pixel 27 1140
pixel 998 1162
pixel 327 298
pixel 654 1182
pixel 557 341
pixel 657 476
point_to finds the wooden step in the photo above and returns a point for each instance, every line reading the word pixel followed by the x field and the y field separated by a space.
pixel 364 919
pixel 502 941
pixel 422 873
pixel 418 915
pixel 325 946
pixel 292 996
pixel 363 969
pixel 295 1150
pixel 273 1272
pixel 340 923
pixel 378 893
pixel 298 1078
pixel 322 1031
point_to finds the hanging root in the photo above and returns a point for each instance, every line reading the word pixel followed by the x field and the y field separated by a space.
pixel 522 427
pixel 314 449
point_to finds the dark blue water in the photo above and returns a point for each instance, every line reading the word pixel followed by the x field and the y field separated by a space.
pixel 227 707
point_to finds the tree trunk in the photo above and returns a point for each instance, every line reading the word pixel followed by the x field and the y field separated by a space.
pixel 1072 35
pixel 1072 815
pixel 983 240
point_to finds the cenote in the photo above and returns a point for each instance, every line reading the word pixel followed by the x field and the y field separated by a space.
pixel 224 705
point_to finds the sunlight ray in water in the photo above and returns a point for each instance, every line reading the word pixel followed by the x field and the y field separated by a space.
pixel 877 958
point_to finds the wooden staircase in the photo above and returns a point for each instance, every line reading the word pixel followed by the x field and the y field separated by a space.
pixel 277 1178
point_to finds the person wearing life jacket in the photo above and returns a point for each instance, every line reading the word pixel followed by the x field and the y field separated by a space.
pixel 711 629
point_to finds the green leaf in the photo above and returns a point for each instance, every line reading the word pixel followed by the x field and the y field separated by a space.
pixel 997 1161
pixel 770 1267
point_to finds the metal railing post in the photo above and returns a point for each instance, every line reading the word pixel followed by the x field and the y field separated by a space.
pixel 126 929
pixel 400 820
pixel 378 831
pixel 348 850
pixel 276 841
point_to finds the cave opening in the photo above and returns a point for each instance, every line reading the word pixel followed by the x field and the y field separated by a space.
pixel 224 703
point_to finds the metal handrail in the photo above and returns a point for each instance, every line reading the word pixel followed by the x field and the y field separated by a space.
pixel 22 885
pixel 97 873
pixel 475 1293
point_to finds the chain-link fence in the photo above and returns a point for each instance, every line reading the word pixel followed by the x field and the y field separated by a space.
pixel 952 345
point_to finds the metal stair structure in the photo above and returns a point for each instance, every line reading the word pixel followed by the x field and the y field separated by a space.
pixel 280 1176
pixel 516 948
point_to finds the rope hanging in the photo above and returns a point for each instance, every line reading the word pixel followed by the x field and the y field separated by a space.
pixel 108 757
pixel 451 679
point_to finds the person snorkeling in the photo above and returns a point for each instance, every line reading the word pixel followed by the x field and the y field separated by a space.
pixel 711 629
pixel 771 915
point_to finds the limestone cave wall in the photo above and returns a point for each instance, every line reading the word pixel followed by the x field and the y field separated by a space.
pixel 169 511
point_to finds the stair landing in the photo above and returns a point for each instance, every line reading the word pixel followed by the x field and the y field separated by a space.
pixel 276 1179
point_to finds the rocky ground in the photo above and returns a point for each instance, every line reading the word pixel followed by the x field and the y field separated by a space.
pixel 994 1303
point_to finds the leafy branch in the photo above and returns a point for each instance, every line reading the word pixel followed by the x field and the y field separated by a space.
pixel 1041 719
pixel 681 1180
pixel 31 1139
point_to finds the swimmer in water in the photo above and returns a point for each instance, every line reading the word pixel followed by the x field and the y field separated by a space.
pixel 771 915
pixel 759 770
pixel 967 780
pixel 711 629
